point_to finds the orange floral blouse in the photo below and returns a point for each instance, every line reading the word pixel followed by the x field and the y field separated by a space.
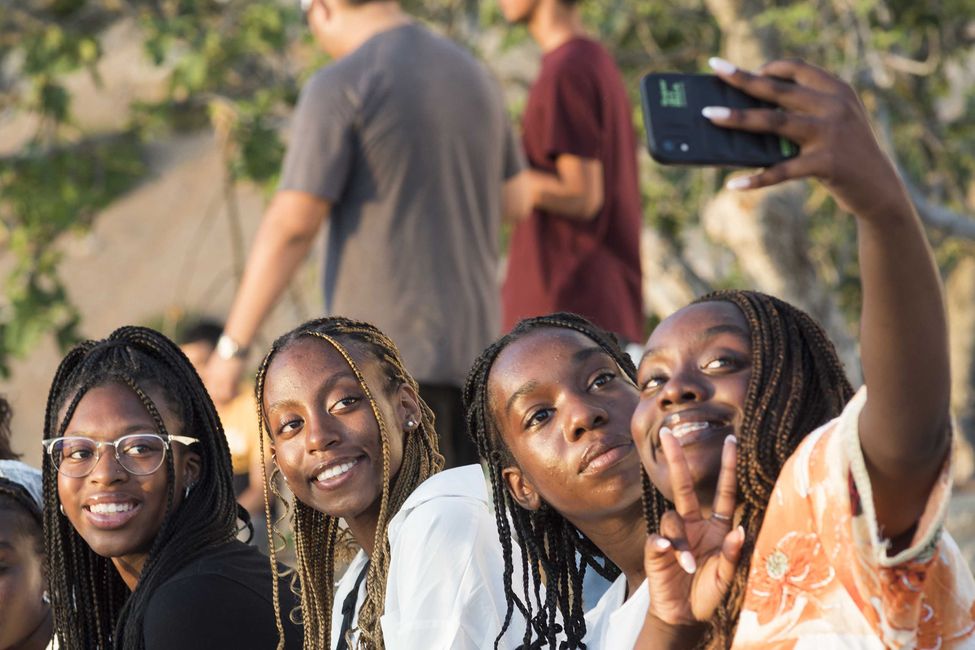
pixel 821 576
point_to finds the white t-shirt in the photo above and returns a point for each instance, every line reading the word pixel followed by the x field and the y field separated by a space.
pixel 445 588
pixel 614 624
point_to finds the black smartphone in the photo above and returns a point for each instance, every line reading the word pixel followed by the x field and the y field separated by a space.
pixel 677 133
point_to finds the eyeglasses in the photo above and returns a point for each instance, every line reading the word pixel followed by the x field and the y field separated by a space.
pixel 138 453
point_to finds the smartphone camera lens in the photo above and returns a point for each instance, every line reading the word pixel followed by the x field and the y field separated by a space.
pixel 669 145
pixel 685 147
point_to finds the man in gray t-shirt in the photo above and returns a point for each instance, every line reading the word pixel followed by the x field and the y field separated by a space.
pixel 403 146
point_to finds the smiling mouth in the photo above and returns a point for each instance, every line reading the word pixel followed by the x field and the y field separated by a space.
pixel 110 508
pixel 336 470
pixel 689 433
pixel 111 515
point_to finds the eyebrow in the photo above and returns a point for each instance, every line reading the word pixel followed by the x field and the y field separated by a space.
pixel 132 428
pixel 578 356
pixel 709 333
pixel 585 353
pixel 525 388
pixel 327 386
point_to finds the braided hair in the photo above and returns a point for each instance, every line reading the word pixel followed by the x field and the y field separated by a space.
pixel 797 384
pixel 92 606
pixel 550 544
pixel 317 536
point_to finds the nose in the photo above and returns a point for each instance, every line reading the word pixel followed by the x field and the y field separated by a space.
pixel 322 433
pixel 685 385
pixel 583 415
pixel 107 469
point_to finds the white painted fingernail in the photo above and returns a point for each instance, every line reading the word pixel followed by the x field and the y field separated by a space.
pixel 686 561
pixel 732 439
pixel 721 66
pixel 716 112
pixel 739 183
pixel 662 543
pixel 665 431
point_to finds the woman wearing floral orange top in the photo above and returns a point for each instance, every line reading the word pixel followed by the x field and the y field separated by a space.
pixel 842 506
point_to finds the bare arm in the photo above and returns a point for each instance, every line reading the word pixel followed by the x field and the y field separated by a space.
pixel 515 202
pixel 286 233
pixel 903 427
pixel 575 191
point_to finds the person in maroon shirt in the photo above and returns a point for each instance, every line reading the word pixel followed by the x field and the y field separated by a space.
pixel 579 249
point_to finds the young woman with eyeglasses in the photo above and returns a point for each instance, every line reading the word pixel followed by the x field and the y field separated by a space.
pixel 139 510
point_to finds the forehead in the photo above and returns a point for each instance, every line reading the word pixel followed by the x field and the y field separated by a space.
pixel 312 361
pixel 114 405
pixel 695 321
pixel 545 355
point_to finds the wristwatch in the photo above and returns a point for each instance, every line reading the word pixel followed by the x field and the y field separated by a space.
pixel 227 348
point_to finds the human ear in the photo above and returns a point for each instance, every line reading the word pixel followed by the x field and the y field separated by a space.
pixel 521 489
pixel 407 404
pixel 191 467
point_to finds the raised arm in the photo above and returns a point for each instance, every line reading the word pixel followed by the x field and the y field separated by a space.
pixel 904 430
pixel 286 233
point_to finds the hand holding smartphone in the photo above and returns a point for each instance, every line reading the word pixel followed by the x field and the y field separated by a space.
pixel 678 134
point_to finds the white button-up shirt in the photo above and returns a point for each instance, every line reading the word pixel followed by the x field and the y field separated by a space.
pixel 445 587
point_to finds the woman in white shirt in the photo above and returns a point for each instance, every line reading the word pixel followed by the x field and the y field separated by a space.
pixel 354 442
pixel 549 406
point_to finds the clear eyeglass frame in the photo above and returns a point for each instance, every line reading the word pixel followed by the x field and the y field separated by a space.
pixel 50 447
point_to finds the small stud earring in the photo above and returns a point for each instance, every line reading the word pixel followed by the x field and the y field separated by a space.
pixel 46 598
pixel 410 424
pixel 61 507
pixel 186 492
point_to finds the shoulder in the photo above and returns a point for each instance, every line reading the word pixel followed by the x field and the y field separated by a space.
pixel 597 618
pixel 221 598
pixel 235 569
pixel 580 56
pixel 449 505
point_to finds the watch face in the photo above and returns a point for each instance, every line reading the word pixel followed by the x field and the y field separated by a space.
pixel 227 348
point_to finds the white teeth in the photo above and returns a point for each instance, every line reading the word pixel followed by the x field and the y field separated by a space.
pixel 682 430
pixel 336 470
pixel 106 508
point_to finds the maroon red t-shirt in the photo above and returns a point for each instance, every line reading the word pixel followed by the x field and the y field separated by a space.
pixel 579 106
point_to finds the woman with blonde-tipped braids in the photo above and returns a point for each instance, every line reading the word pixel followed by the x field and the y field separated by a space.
pixel 355 443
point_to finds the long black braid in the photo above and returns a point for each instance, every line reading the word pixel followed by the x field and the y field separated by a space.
pixel 92 606
pixel 797 384
pixel 551 546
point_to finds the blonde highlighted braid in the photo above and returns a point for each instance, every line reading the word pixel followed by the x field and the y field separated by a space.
pixel 316 560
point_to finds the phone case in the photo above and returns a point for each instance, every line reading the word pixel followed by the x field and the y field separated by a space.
pixel 677 133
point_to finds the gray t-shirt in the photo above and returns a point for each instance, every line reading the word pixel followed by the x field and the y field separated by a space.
pixel 408 139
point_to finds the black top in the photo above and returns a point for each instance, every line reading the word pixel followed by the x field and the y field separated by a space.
pixel 221 600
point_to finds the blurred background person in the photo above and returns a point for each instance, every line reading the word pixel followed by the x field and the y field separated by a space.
pixel 382 148
pixel 198 339
pixel 579 249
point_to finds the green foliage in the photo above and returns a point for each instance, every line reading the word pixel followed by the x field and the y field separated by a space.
pixel 237 67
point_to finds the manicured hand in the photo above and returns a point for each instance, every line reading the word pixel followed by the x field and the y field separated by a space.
pixel 691 563
pixel 823 115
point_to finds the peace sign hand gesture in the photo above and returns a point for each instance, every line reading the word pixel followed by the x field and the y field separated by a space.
pixel 691 563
